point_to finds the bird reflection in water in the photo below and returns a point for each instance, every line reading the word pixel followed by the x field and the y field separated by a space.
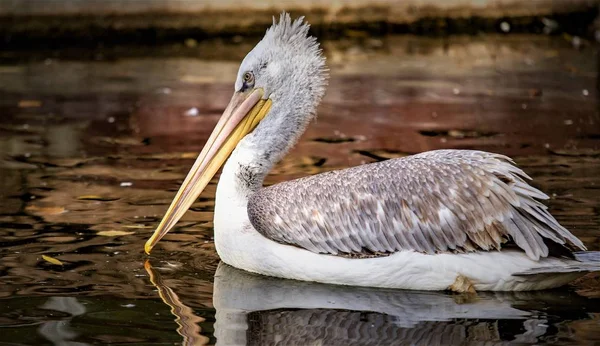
pixel 185 318
pixel 259 310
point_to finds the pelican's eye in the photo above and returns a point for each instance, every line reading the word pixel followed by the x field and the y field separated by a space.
pixel 248 79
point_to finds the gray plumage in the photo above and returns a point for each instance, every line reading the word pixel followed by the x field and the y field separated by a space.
pixel 437 201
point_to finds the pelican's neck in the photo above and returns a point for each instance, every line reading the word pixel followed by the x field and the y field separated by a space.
pixel 257 153
pixel 243 174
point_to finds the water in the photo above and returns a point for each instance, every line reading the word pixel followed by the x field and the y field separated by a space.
pixel 93 150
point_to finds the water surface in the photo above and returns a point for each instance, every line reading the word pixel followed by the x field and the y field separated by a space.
pixel 93 151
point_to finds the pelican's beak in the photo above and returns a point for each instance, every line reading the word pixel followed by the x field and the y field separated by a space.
pixel 244 112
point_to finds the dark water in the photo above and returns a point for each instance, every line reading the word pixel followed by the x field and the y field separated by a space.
pixel 92 152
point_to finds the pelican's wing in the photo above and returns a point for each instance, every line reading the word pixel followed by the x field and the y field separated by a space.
pixel 437 201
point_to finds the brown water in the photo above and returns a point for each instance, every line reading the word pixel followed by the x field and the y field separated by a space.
pixel 92 152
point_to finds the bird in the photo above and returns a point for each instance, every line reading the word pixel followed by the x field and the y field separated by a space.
pixel 458 220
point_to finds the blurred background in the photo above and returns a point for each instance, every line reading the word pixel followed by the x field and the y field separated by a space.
pixel 104 105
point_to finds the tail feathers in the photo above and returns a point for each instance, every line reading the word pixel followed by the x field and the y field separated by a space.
pixel 586 261
pixel 588 256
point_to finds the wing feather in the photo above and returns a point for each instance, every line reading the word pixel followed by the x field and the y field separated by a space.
pixel 443 200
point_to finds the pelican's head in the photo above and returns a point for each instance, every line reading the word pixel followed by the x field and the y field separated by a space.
pixel 276 92
pixel 287 65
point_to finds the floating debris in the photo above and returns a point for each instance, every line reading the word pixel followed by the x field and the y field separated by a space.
pixel 137 226
pixel 126 184
pixel 459 134
pixel 45 211
pixel 114 233
pixel 585 92
pixel 192 112
pixel 52 260
pixel 30 104
pixel 111 119
pixel 568 122
pixel 505 27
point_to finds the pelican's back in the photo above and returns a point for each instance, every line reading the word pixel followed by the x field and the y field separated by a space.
pixel 437 201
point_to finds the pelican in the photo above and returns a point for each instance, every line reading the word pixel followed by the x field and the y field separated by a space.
pixel 460 220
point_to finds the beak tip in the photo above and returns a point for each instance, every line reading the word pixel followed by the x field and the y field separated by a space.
pixel 147 248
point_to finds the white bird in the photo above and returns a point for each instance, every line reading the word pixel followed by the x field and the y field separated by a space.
pixel 448 219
